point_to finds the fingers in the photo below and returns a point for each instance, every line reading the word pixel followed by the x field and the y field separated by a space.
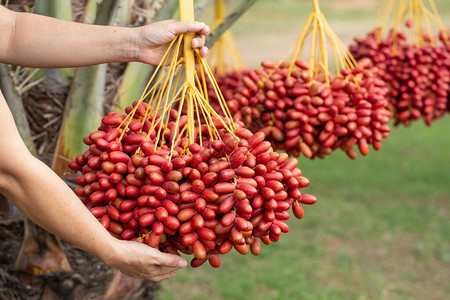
pixel 198 41
pixel 204 51
pixel 143 262
pixel 205 30
pixel 170 260
pixel 189 26
pixel 162 277
pixel 199 27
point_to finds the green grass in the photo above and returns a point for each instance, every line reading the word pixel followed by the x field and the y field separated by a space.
pixel 379 231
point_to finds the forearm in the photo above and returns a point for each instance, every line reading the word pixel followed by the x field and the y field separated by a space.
pixel 41 195
pixel 43 42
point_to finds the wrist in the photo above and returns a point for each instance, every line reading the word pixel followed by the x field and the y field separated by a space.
pixel 125 44
pixel 108 250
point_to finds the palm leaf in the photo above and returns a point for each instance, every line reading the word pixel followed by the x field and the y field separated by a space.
pixel 84 105
pixel 61 9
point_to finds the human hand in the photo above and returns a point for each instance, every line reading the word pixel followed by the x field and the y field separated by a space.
pixel 154 39
pixel 143 262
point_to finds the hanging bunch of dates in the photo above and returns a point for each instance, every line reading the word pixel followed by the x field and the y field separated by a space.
pixel 303 109
pixel 412 60
pixel 178 176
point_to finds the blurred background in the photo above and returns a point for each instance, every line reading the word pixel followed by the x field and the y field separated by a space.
pixel 380 229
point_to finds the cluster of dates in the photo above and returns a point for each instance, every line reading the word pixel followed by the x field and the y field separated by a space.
pixel 446 44
pixel 301 114
pixel 203 200
pixel 418 77
pixel 229 85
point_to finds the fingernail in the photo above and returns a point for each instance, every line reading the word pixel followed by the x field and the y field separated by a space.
pixel 182 263
pixel 201 24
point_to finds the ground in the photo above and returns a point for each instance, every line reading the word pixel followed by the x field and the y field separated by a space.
pixel 90 277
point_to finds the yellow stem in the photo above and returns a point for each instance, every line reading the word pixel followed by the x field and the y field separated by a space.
pixel 177 140
pixel 323 54
pixel 187 14
pixel 312 56
pixel 180 108
pixel 222 102
pixel 439 21
pixel 300 41
pixel 165 88
pixel 165 93
pixel 386 13
pixel 316 7
pixel 220 10
pixel 428 27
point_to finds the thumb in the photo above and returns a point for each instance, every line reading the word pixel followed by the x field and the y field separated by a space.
pixel 186 26
pixel 170 260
